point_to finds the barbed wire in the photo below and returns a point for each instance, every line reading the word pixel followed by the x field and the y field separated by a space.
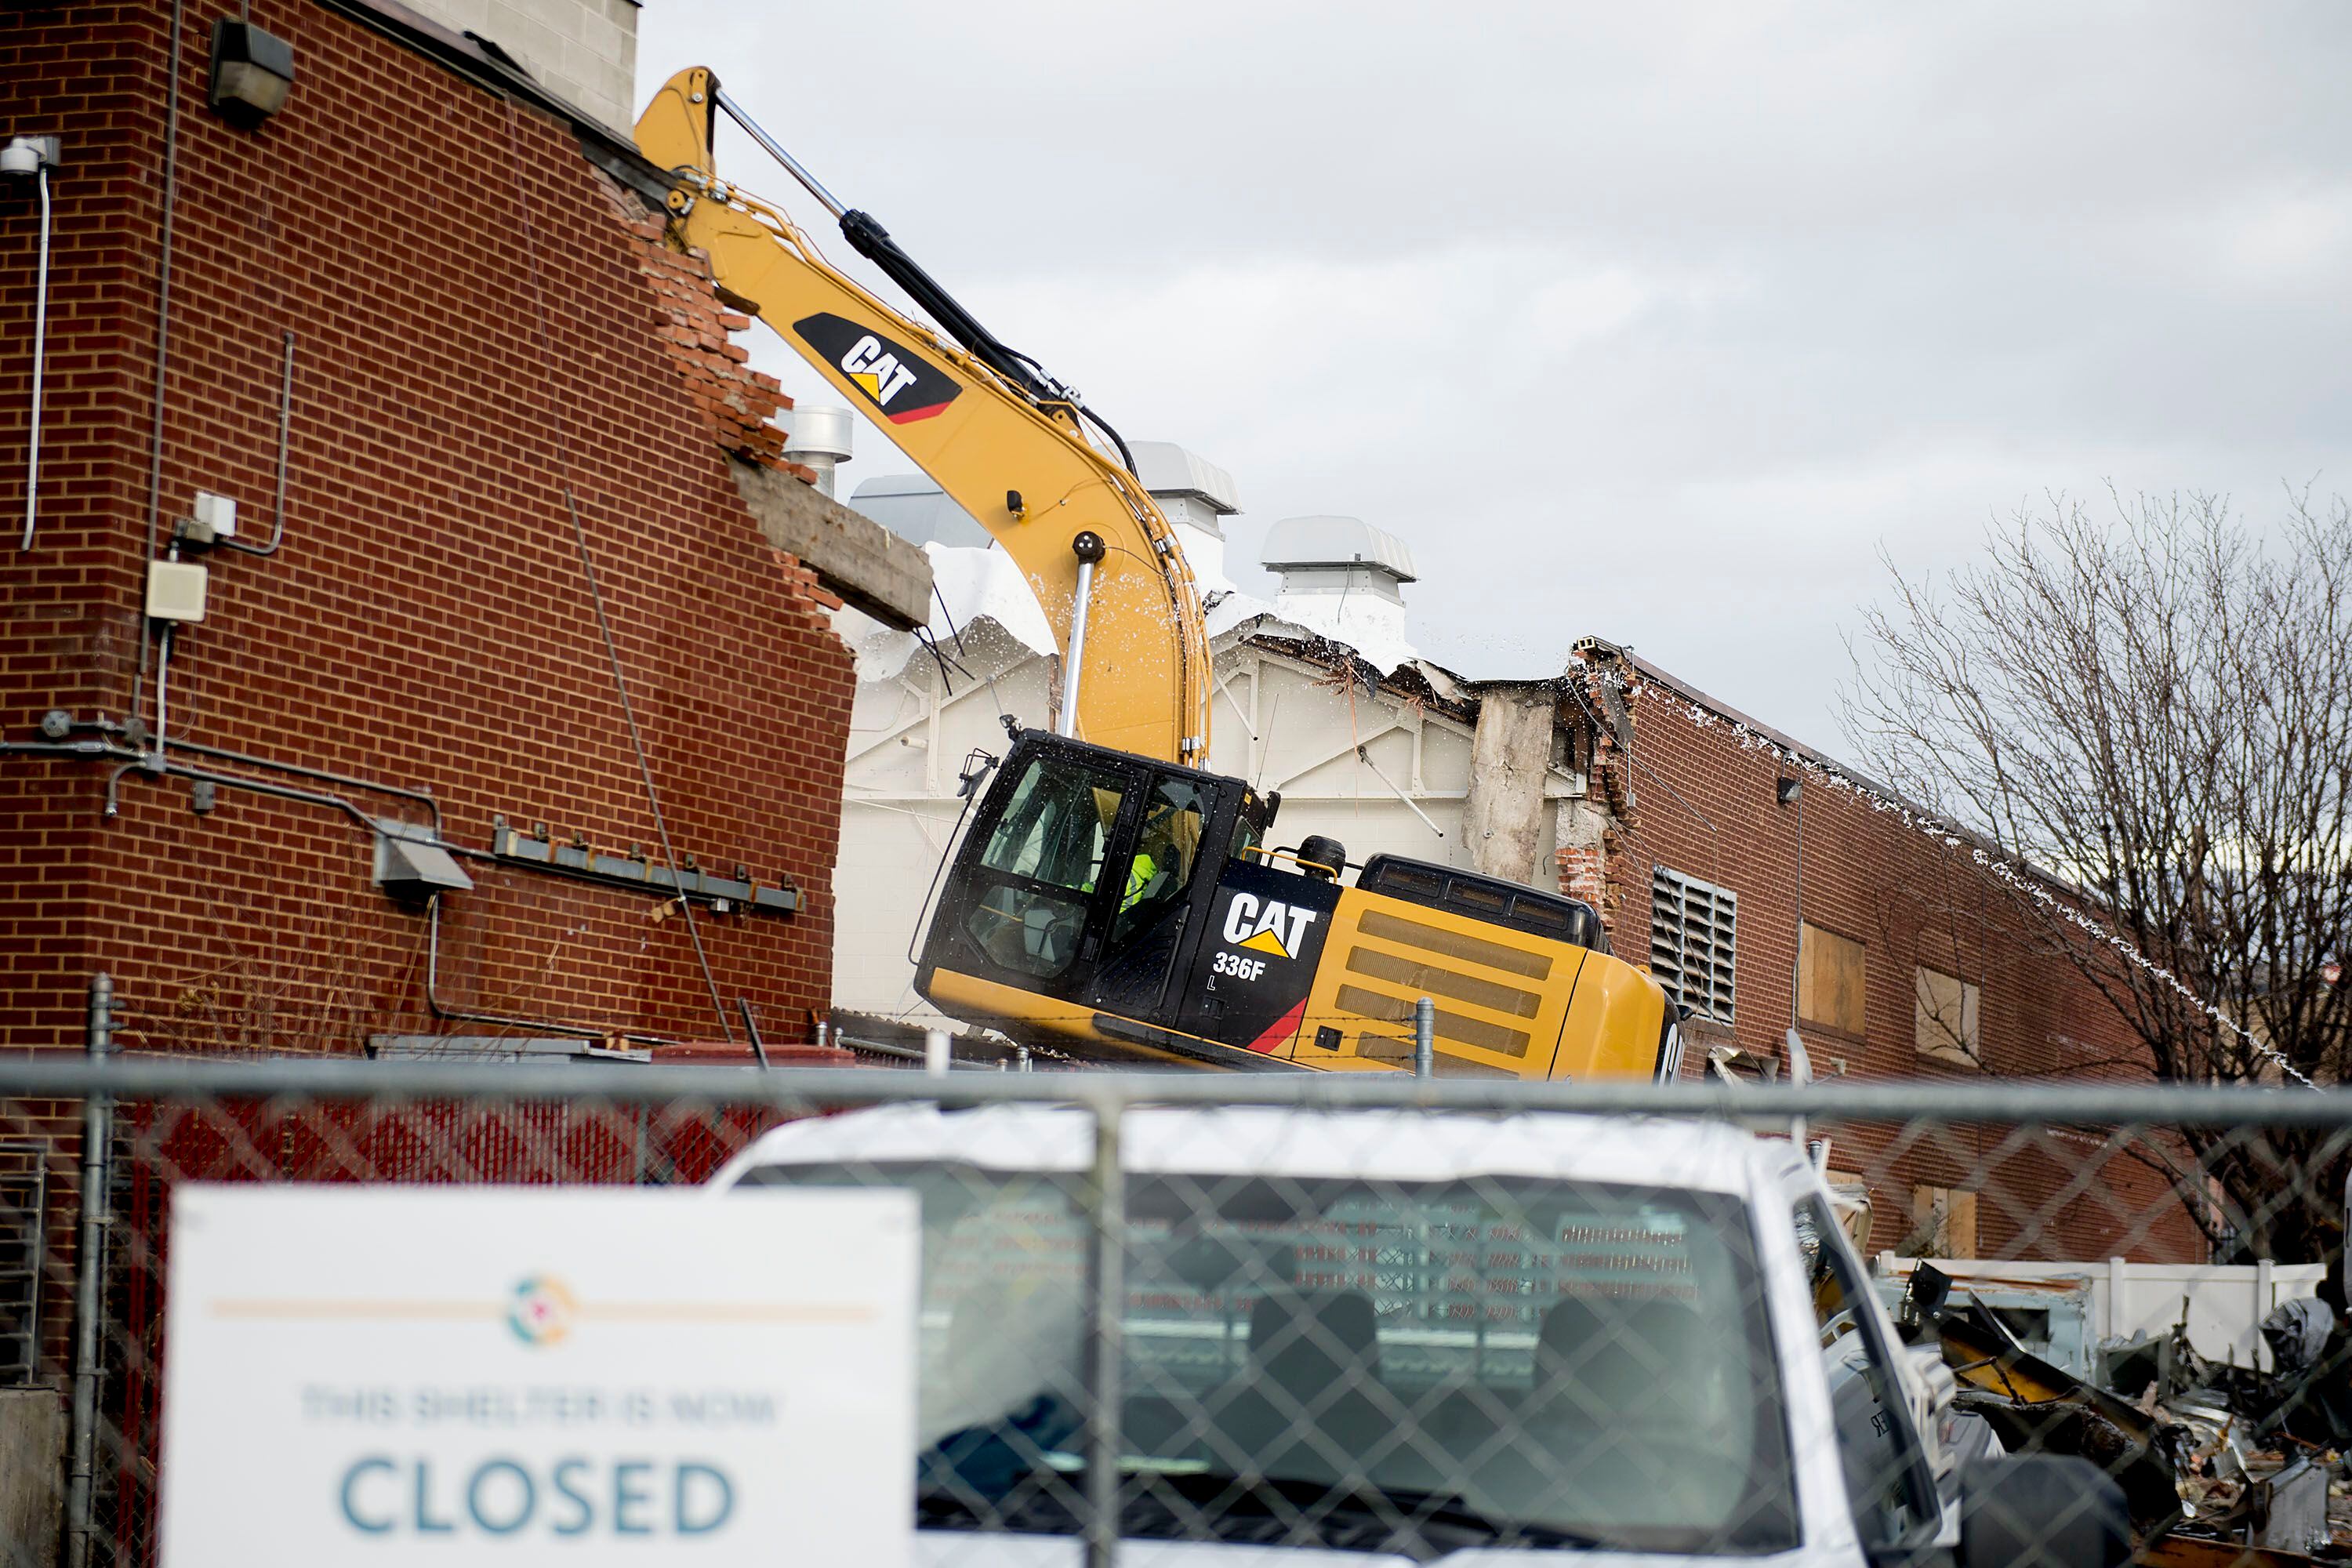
pixel 1946 834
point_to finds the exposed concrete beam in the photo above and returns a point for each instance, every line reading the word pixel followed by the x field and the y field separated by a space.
pixel 853 556
pixel 1510 758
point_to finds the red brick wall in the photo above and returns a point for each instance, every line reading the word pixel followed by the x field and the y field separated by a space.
pixel 1702 805
pixel 476 325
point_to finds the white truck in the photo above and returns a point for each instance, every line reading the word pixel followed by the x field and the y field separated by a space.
pixel 1376 1337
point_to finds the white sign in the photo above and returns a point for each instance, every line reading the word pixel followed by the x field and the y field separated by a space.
pixel 479 1375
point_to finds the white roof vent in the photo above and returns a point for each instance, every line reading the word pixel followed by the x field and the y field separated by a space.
pixel 1173 474
pixel 1341 578
pixel 820 437
pixel 1195 496
pixel 1306 550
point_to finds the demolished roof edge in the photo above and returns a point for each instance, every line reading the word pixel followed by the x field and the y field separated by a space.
pixel 1650 671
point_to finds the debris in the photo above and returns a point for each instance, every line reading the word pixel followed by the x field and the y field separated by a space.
pixel 2034 1406
pixel 2297 1333
pixel 2211 1467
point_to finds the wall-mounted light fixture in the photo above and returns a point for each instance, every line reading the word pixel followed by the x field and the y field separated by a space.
pixel 252 72
pixel 1786 790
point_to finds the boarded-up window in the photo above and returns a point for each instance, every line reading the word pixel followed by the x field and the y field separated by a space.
pixel 1943 1222
pixel 1944 1024
pixel 1829 980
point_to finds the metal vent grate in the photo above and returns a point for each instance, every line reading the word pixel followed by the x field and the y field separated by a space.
pixel 1693 941
pixel 23 1203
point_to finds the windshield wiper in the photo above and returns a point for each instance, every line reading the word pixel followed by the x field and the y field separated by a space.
pixel 1437 1523
pixel 1260 1511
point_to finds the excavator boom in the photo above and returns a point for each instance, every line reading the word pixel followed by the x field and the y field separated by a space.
pixel 1112 897
pixel 1003 439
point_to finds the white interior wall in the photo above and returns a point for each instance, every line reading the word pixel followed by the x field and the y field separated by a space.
pixel 1284 724
pixel 908 736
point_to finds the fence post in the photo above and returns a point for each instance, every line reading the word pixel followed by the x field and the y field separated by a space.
pixel 937 1052
pixel 97 1133
pixel 2265 1299
pixel 1105 1306
pixel 1424 1039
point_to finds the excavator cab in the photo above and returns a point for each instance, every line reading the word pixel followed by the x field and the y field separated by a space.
pixel 1122 908
pixel 1083 886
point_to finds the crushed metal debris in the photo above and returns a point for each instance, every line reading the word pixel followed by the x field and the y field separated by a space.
pixel 2219 1463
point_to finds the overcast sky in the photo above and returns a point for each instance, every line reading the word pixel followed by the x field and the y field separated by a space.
pixel 1649 323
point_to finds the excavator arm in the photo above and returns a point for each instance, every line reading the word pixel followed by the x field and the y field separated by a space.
pixel 1006 441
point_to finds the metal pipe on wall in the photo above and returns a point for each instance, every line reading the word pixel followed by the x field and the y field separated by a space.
pixel 127 760
pixel 116 728
pixel 40 357
pixel 163 333
pixel 163 695
pixel 285 442
pixel 425 798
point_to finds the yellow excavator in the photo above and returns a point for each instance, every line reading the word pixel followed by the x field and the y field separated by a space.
pixel 1112 897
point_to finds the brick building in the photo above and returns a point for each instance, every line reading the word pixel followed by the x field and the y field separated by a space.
pixel 427 304
pixel 524 625
pixel 1914 963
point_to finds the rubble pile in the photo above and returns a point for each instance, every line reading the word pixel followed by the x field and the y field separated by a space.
pixel 2219 1463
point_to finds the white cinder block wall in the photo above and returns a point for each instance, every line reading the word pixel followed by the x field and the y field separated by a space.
pixel 584 51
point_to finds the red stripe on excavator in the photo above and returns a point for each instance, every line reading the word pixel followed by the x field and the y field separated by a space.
pixel 912 414
pixel 1284 1027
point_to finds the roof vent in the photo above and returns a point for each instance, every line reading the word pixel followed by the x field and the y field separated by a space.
pixel 818 437
pixel 1336 556
pixel 1188 486
pixel 1194 495
pixel 1341 578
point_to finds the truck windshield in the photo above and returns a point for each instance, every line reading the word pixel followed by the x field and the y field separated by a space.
pixel 1419 1367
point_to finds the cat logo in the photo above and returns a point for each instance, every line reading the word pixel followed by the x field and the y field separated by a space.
pixel 1269 926
pixel 900 383
pixel 877 370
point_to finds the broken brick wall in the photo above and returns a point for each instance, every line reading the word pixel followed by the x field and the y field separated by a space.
pixel 485 351
pixel 1686 795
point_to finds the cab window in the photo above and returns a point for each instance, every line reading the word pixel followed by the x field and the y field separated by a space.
pixel 1047 853
pixel 1165 851
pixel 1876 1444
pixel 1056 825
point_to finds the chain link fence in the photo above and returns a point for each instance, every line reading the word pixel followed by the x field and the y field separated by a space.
pixel 1364 1315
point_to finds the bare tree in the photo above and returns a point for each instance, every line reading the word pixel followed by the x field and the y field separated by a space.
pixel 2153 709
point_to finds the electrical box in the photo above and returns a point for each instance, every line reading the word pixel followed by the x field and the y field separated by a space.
pixel 175 589
pixel 217 513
